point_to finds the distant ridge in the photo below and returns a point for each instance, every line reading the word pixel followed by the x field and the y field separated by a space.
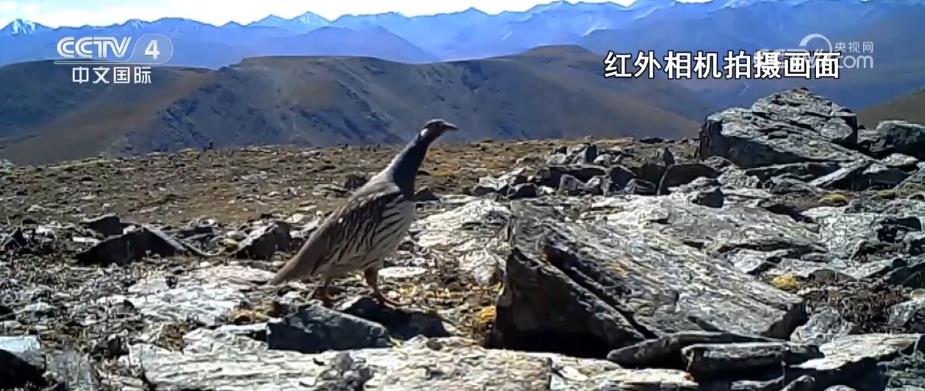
pixel 549 92
pixel 907 108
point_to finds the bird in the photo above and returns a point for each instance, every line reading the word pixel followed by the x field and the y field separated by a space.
pixel 368 227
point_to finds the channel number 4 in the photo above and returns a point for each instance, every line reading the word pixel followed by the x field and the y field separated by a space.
pixel 151 49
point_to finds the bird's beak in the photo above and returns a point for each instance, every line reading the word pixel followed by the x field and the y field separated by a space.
pixel 450 126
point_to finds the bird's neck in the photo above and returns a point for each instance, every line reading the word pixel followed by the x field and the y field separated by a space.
pixel 404 167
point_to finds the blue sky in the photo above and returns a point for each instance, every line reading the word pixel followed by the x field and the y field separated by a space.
pixel 101 12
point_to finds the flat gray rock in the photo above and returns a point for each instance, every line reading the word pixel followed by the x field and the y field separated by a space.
pixel 206 295
pixel 73 371
pixel 898 160
pixel 717 360
pixel 824 325
pixel 665 351
pixel 914 184
pixel 468 232
pixel 909 315
pixel 854 348
pixel 234 362
pixel 853 359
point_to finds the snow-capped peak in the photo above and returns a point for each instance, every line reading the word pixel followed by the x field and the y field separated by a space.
pixel 21 26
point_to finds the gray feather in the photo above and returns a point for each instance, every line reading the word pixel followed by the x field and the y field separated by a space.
pixel 348 235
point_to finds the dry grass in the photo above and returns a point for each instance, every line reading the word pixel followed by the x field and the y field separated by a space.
pixel 834 199
pixel 786 282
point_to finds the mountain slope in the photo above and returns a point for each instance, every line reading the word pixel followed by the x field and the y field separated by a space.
pixel 544 93
pixel 909 108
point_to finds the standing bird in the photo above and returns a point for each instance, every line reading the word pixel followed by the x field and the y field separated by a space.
pixel 369 227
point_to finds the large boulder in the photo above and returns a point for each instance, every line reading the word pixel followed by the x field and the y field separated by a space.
pixel 861 175
pixel 617 278
pixel 909 315
pixel 899 137
pixel 829 120
pixel 824 325
pixel 794 126
pixel 22 362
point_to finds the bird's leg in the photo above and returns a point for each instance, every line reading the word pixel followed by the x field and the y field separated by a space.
pixel 323 293
pixel 372 279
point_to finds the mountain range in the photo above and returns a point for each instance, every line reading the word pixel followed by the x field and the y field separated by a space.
pixel 366 79
pixel 548 92
pixel 894 26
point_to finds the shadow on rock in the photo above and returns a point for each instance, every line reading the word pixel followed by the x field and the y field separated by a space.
pixel 402 323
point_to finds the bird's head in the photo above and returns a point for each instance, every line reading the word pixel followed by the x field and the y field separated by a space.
pixel 436 127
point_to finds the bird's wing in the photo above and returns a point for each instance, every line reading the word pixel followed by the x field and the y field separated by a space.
pixel 332 241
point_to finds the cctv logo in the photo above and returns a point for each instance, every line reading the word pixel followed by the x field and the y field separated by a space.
pixel 93 47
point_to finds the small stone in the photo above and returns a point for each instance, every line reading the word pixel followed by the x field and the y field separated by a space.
pixel 619 177
pixel 909 315
pixel 684 173
pixel 426 195
pixel 900 161
pixel 264 241
pixel 596 186
pixel 655 165
pixel 106 225
pixel 131 246
pixel 569 185
pixel 640 187
pixel 354 181
pixel 523 190
pixel 316 329
pixel 403 324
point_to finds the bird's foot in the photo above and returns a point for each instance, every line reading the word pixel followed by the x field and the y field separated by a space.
pixel 324 294
pixel 383 300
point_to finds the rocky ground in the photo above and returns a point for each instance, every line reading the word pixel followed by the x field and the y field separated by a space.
pixel 782 250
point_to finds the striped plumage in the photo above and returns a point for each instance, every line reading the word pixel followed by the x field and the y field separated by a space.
pixel 370 226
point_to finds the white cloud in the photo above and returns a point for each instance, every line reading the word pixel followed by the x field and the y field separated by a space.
pixel 7 6
pixel 29 8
